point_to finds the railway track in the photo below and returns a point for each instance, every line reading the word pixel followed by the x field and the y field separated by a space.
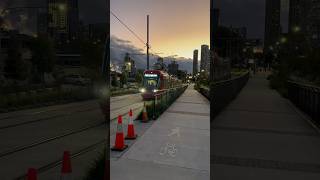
pixel 42 149
pixel 58 162
pixel 50 139
pixel 42 111
pixel 43 119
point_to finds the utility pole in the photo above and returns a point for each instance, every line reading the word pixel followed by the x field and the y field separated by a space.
pixel 148 42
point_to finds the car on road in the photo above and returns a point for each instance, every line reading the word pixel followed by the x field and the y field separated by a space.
pixel 76 79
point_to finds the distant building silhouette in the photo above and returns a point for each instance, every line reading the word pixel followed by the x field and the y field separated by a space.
pixel 94 32
pixel 160 65
pixel 205 59
pixel 272 24
pixel 42 22
pixel 63 19
pixel 195 62
pixel 304 16
pixel 173 68
pixel 215 19
pixel 129 66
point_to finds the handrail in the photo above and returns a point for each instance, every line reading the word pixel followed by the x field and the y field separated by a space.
pixel 223 92
pixel 232 79
pixel 306 97
pixel 309 86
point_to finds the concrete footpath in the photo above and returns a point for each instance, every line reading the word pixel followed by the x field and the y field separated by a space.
pixel 176 146
pixel 261 135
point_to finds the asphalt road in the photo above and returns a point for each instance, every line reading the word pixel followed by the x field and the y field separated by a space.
pixel 37 137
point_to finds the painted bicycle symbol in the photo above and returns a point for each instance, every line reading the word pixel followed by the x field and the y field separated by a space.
pixel 169 149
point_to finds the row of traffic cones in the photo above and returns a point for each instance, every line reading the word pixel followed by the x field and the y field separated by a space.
pixel 66 170
pixel 131 135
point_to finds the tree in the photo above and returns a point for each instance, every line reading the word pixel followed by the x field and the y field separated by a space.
pixel 124 78
pixel 91 57
pixel 43 56
pixel 139 77
pixel 92 54
pixel 15 67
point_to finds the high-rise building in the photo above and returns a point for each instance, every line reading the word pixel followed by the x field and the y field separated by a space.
pixel 205 59
pixel 95 32
pixel 304 16
pixel 272 24
pixel 173 68
pixel 63 19
pixel 195 62
pixel 296 10
pixel 73 18
pixel 215 17
pixel 42 22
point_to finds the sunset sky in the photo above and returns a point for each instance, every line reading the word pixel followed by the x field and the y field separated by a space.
pixel 177 27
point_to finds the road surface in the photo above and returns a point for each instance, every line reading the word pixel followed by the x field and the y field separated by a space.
pixel 37 137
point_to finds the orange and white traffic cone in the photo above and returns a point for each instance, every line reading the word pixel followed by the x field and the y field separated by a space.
pixel 119 144
pixel 130 133
pixel 145 114
pixel 66 170
pixel 32 174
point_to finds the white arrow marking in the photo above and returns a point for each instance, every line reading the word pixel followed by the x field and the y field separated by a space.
pixel 175 131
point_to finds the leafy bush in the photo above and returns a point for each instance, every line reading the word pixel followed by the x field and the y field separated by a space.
pixel 98 168
pixel 44 96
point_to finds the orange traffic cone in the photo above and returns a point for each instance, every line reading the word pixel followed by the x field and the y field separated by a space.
pixel 145 114
pixel 66 166
pixel 130 133
pixel 119 144
pixel 32 174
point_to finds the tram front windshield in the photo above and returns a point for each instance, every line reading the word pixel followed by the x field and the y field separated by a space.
pixel 151 81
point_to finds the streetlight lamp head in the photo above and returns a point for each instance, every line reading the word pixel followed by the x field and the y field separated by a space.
pixel 296 29
pixel 271 48
pixel 62 7
pixel 283 40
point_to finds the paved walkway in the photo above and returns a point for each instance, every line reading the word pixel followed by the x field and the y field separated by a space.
pixel 176 146
pixel 260 135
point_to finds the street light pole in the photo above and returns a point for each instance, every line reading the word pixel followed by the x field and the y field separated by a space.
pixel 148 42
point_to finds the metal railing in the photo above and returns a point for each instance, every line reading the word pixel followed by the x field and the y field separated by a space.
pixel 306 98
pixel 223 92
pixel 163 100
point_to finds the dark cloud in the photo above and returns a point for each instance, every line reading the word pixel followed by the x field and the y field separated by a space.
pixel 119 47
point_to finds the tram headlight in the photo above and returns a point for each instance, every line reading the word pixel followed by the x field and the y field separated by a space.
pixel 142 90
pixel 155 90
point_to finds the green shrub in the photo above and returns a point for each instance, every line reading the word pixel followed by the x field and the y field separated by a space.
pixel 97 169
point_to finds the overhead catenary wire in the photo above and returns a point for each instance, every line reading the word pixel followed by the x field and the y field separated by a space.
pixel 153 53
pixel 127 27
